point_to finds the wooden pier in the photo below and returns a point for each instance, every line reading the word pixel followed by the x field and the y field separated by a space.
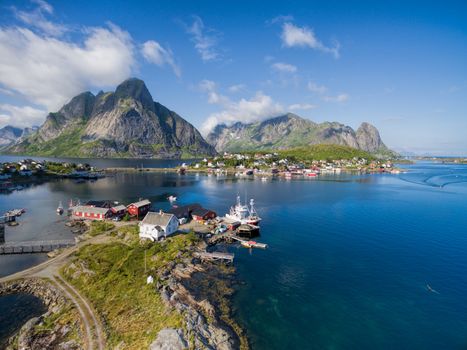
pixel 215 256
pixel 5 219
pixel 29 247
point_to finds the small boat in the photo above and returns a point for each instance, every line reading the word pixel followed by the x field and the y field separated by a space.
pixel 312 174
pixel 253 244
pixel 60 208
pixel 264 179
pixel 248 244
pixel 172 198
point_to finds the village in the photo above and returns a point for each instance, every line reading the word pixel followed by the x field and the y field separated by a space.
pixel 240 224
pixel 275 164
pixel 20 174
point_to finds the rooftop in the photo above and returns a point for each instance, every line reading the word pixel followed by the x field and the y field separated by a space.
pixel 157 219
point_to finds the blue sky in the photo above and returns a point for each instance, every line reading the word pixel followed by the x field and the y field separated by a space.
pixel 398 65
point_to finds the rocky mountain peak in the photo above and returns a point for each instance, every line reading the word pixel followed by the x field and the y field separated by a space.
pixel 368 138
pixel 124 123
pixel 136 89
pixel 79 106
pixel 290 130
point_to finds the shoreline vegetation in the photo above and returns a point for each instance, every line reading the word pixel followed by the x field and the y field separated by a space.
pixel 184 304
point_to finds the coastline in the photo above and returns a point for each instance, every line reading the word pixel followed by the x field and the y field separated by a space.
pixel 207 320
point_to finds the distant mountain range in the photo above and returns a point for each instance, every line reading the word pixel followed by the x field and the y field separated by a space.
pixel 126 123
pixel 290 131
pixel 10 134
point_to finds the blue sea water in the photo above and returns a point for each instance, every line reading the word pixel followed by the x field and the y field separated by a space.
pixel 349 256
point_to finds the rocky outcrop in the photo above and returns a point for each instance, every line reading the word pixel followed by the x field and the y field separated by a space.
pixel 28 337
pixel 50 295
pixel 290 131
pixel 169 339
pixel 180 288
pixel 125 123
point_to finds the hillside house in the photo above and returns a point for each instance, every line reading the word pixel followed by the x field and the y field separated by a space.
pixel 156 225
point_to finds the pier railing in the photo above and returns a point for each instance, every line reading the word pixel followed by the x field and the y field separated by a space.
pixel 28 247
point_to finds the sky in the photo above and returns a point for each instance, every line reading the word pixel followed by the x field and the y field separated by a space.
pixel 400 65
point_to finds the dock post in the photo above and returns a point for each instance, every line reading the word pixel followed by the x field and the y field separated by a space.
pixel 2 233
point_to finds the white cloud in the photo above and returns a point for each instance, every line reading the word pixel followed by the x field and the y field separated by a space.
pixel 280 19
pixel 37 19
pixel 44 6
pixel 257 108
pixel 20 116
pixel 339 98
pixel 237 88
pixel 319 89
pixel 153 52
pixel 294 36
pixel 301 107
pixel 205 40
pixel 214 97
pixel 48 71
pixel 284 67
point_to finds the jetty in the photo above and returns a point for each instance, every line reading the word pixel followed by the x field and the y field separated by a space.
pixel 215 256
pixel 5 219
pixel 230 237
pixel 29 247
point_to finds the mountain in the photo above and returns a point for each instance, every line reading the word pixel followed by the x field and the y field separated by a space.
pixel 126 123
pixel 10 134
pixel 290 130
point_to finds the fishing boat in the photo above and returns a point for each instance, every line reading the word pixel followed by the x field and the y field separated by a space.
pixel 244 214
pixel 60 208
pixel 172 199
pixel 253 244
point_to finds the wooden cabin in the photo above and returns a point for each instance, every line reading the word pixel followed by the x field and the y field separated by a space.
pixel 139 209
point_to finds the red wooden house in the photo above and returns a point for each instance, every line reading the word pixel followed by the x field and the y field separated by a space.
pixel 202 214
pixel 139 209
pixel 91 213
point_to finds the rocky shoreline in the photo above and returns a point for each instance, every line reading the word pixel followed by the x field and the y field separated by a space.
pixel 36 333
pixel 202 292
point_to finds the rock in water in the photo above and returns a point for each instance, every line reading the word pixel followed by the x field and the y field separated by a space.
pixel 169 339
pixel 126 123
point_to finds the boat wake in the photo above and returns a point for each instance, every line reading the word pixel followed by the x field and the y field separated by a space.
pixel 438 180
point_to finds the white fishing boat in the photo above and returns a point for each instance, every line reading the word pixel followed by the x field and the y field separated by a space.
pixel 244 214
pixel 172 199
pixel 60 208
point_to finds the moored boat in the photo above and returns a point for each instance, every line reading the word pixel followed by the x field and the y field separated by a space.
pixel 244 214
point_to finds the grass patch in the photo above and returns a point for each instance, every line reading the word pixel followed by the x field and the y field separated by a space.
pixel 112 276
pixel 99 227
pixel 324 152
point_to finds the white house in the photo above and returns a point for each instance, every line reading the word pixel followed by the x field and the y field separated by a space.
pixel 157 225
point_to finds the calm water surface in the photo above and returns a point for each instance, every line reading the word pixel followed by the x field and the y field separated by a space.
pixel 349 256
